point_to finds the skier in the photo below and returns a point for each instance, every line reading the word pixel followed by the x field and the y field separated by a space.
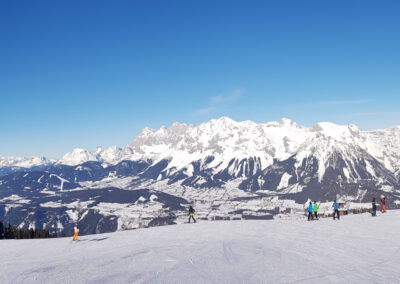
pixel 373 213
pixel 315 209
pixel 336 208
pixel 383 201
pixel 191 213
pixel 310 210
pixel 76 233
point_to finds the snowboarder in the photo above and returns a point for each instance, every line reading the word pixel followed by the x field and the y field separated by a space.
pixel 310 210
pixel 315 209
pixel 336 210
pixel 191 213
pixel 373 213
pixel 383 201
pixel 76 233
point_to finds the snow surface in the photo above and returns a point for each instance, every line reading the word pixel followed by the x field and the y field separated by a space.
pixel 356 249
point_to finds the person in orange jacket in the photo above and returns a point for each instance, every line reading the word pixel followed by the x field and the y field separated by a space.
pixel 76 233
pixel 383 201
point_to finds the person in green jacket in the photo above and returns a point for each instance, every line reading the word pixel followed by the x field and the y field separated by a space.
pixel 315 210
pixel 191 213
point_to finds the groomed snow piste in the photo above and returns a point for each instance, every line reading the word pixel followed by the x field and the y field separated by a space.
pixel 356 249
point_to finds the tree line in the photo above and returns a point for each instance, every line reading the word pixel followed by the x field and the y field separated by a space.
pixel 11 232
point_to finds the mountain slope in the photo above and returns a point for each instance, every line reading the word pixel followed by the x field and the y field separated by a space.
pixel 356 249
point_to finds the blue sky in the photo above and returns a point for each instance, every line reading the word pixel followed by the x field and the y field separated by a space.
pixel 88 73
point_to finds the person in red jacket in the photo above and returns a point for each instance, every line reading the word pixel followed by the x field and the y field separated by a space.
pixel 383 201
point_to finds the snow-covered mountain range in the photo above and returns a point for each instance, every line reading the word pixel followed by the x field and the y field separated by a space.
pixel 243 149
pixel 217 161
pixel 24 162
pixel 227 140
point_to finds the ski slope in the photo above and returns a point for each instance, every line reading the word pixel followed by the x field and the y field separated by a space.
pixel 356 249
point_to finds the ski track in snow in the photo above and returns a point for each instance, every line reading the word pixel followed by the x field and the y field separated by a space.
pixel 356 249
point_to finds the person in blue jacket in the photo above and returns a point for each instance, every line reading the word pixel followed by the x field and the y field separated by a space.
pixel 310 211
pixel 336 208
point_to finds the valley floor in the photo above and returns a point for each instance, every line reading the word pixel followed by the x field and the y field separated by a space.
pixel 356 249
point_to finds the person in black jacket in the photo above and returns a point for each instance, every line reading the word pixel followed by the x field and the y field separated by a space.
pixel 373 213
pixel 191 213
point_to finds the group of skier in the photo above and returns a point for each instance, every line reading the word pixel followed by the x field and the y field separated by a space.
pixel 383 204
pixel 313 209
pixel 312 212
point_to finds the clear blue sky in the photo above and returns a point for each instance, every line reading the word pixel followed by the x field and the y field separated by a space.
pixel 88 73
